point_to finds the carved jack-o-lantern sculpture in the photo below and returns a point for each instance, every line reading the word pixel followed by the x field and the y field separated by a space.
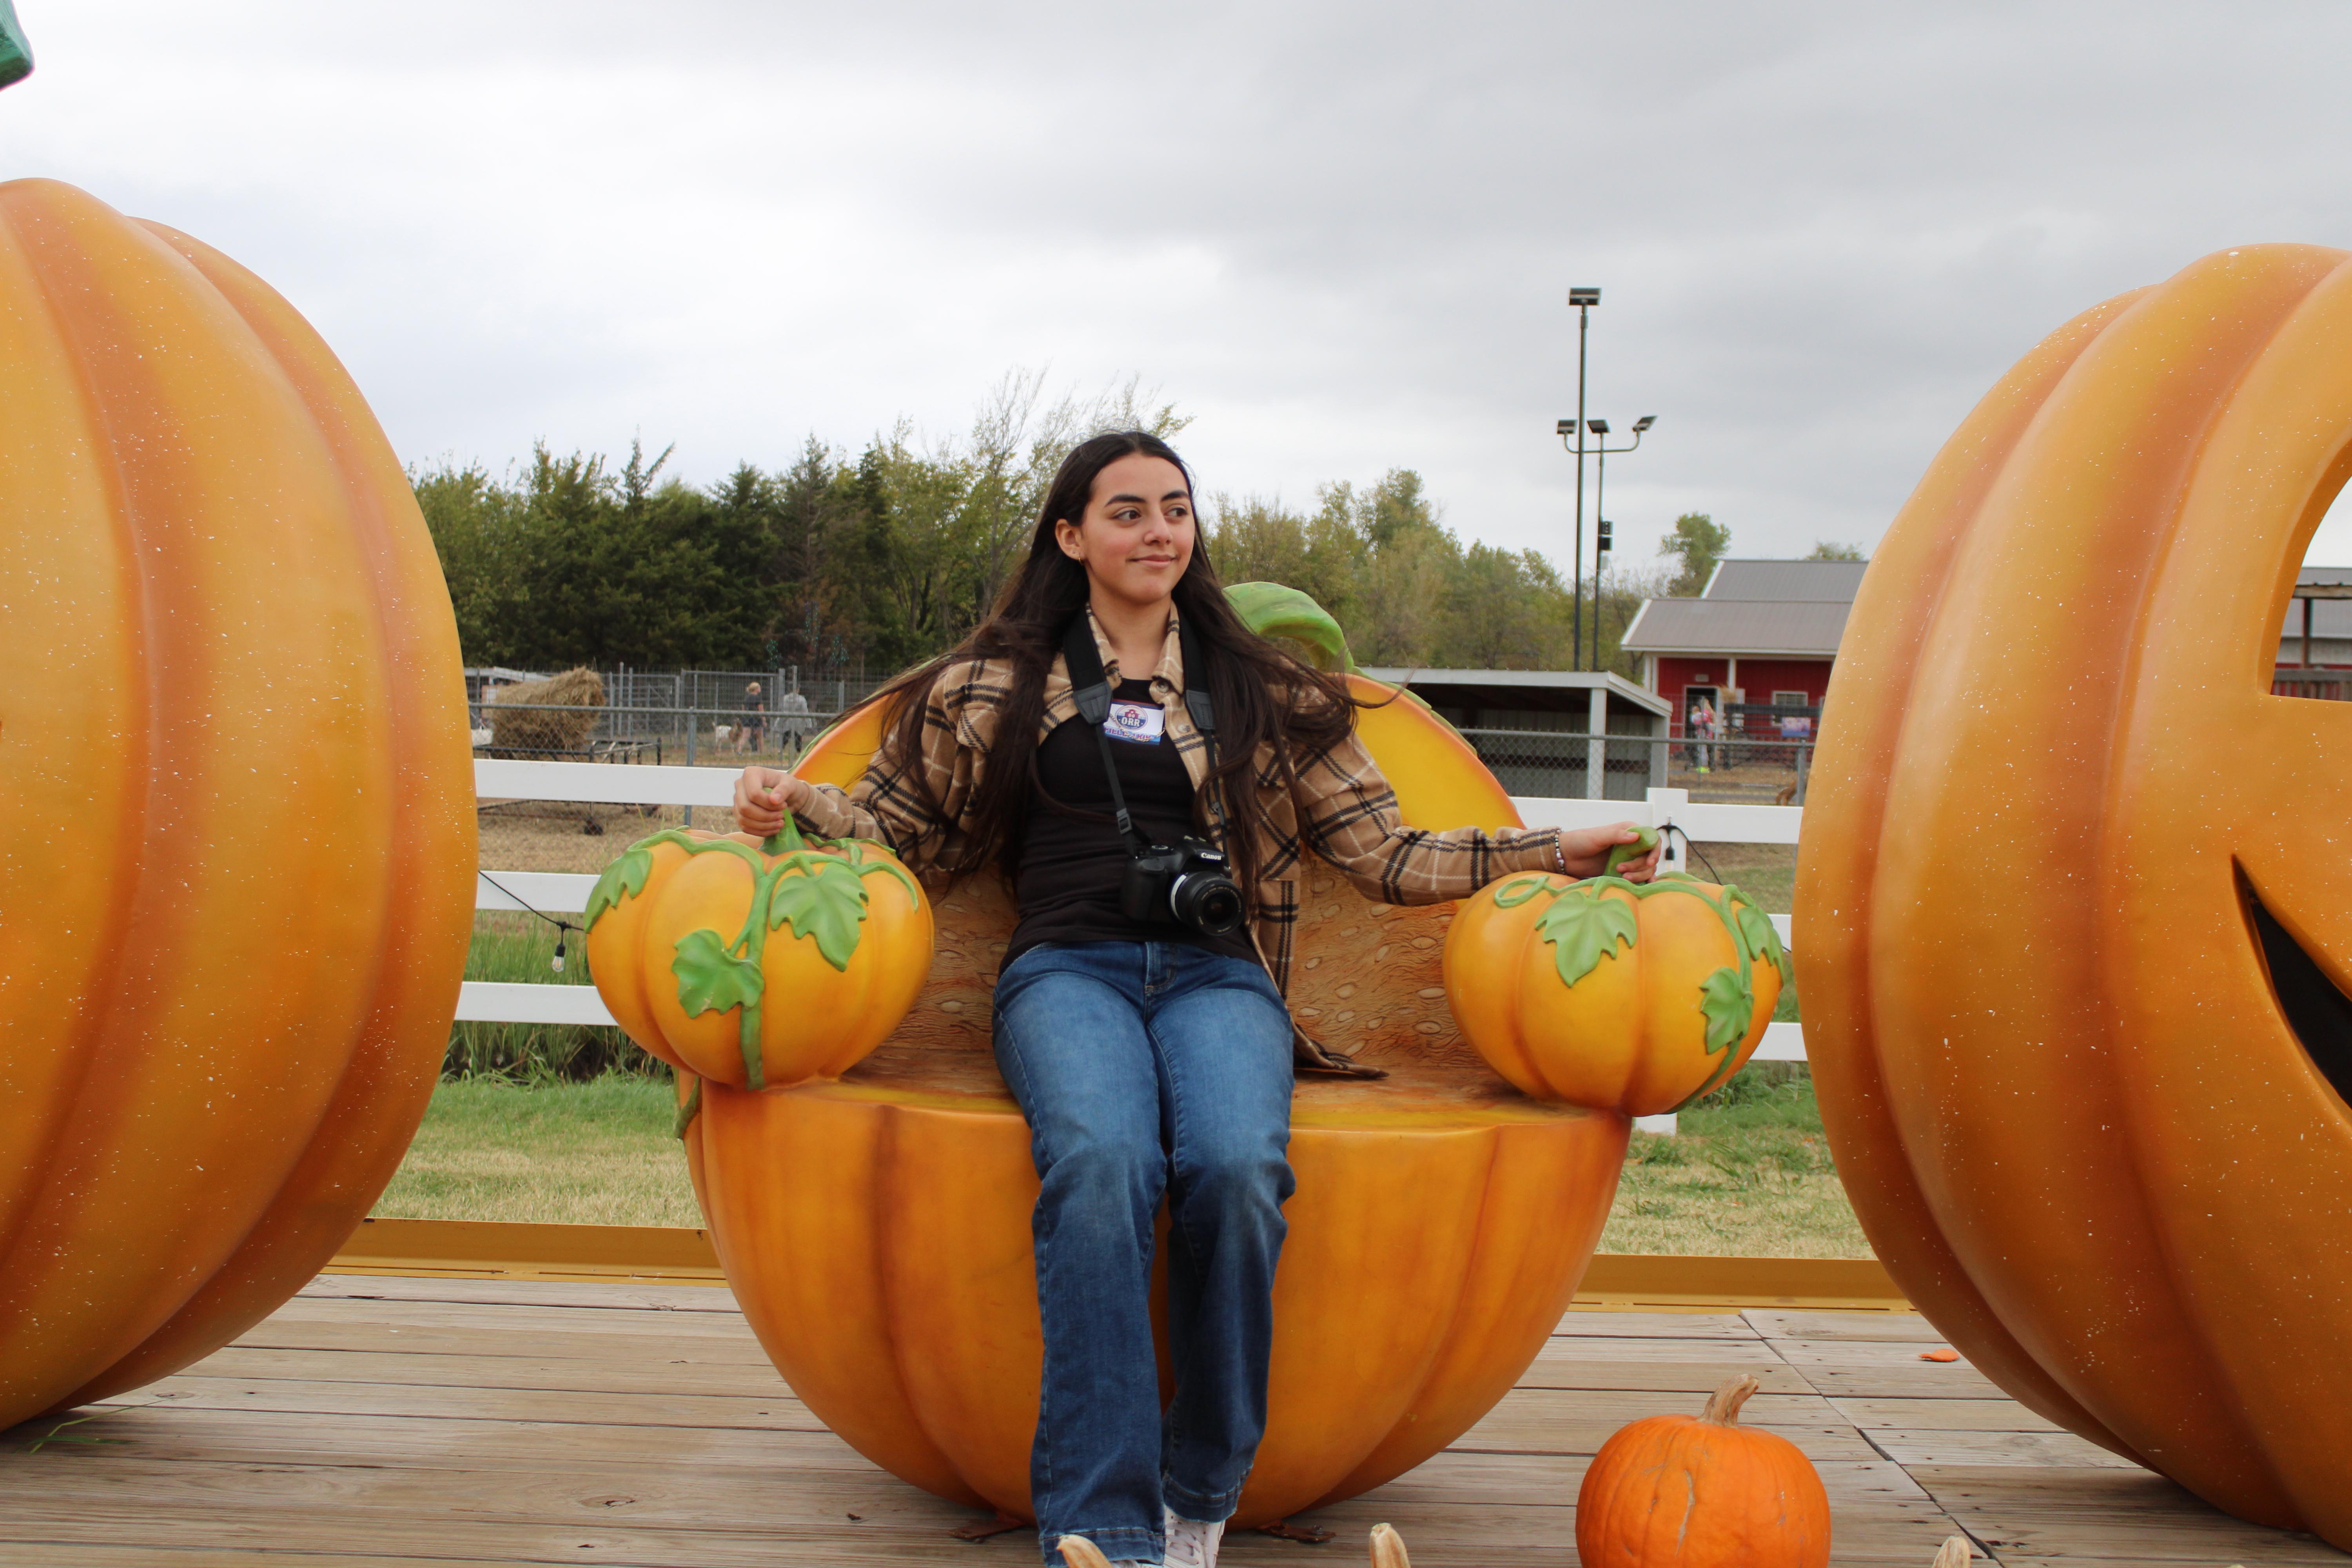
pixel 2073 903
pixel 876 1227
pixel 235 799
pixel 1618 996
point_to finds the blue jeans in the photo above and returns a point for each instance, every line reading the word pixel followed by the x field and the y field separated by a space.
pixel 1148 1069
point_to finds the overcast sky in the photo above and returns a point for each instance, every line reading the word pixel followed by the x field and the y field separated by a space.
pixel 1338 234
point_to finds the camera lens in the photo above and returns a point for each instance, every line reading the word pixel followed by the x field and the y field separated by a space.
pixel 1210 904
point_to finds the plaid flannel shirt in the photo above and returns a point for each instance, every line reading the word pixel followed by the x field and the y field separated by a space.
pixel 1338 806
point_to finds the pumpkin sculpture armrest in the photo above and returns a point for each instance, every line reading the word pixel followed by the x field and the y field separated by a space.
pixel 758 963
pixel 1614 994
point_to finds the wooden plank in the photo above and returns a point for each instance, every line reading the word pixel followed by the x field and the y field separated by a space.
pixel 653 1375
pixel 775 1411
pixel 1920 1380
pixel 256 1536
pixel 1859 1352
pixel 54 1555
pixel 1999 1415
pixel 1636 1349
pixel 1599 1322
pixel 1696 1367
pixel 531 1002
pixel 663 1252
pixel 177 1431
pixel 2128 1513
pixel 546 892
pixel 1645 1278
pixel 579 1251
pixel 327 1338
pixel 1560 1421
pixel 498 1420
pixel 2061 1451
pixel 639 783
pixel 668 1497
pixel 1777 1323
pixel 1898 1535
pixel 499 1320
pixel 647 1295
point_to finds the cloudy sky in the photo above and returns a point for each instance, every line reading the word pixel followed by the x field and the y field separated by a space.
pixel 1337 234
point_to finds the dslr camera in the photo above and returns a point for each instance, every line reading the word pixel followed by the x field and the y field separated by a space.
pixel 1185 883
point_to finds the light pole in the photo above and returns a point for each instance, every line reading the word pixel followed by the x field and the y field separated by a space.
pixel 1580 300
pixel 1601 511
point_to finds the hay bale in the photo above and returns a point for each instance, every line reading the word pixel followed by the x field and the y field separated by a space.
pixel 534 729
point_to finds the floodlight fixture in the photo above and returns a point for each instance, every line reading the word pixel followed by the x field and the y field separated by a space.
pixel 1581 296
pixel 1643 423
pixel 1566 427
pixel 1598 427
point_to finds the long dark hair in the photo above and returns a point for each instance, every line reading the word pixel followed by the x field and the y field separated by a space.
pixel 1263 696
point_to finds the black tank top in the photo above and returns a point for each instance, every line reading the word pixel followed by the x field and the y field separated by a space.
pixel 1073 858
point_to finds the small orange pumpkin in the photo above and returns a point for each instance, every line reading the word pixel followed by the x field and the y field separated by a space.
pixel 1612 995
pixel 1702 1492
pixel 682 939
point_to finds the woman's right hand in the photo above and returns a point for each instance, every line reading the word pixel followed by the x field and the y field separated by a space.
pixel 763 796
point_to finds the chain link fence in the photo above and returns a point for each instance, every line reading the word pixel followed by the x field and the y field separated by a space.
pixel 691 718
pixel 1560 762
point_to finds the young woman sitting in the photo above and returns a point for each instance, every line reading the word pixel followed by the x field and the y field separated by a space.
pixel 1149 774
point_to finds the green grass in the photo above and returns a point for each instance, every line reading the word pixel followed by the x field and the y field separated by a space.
pixel 520 947
pixel 1749 1174
pixel 598 1152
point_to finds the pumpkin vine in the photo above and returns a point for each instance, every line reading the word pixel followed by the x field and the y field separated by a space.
pixel 1583 928
pixel 816 885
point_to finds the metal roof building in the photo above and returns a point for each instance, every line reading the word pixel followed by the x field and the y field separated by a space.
pixel 1572 733
pixel 1760 631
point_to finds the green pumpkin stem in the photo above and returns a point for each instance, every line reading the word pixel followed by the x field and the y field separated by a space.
pixel 1644 840
pixel 784 840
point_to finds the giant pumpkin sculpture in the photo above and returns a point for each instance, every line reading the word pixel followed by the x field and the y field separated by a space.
pixel 875 1229
pixel 2073 896
pixel 236 802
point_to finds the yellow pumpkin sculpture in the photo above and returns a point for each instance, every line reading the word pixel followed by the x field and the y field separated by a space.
pixel 1609 993
pixel 876 1230
pixel 236 799
pixel 2076 920
pixel 683 939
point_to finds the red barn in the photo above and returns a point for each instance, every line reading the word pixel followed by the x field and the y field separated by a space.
pixel 1761 632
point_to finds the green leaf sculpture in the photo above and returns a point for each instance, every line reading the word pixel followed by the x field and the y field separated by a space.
pixel 1584 928
pixel 827 902
pixel 710 980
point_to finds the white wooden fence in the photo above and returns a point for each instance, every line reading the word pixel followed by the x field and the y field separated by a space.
pixel 553 892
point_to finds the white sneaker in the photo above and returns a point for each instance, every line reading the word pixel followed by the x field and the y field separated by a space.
pixel 1191 1544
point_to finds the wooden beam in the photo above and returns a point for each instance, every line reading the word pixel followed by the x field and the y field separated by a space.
pixel 484 1249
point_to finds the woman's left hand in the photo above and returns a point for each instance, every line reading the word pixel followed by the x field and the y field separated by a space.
pixel 1586 850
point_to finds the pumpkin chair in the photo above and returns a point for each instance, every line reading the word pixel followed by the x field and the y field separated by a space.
pixel 872 1210
pixel 2077 917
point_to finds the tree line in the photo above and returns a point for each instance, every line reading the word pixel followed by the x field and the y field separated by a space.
pixel 885 558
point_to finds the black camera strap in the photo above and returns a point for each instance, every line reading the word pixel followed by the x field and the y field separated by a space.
pixel 1090 688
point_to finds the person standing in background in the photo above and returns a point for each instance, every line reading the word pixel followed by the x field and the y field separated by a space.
pixel 751 729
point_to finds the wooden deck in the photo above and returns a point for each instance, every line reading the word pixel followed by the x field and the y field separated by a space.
pixel 382 1420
